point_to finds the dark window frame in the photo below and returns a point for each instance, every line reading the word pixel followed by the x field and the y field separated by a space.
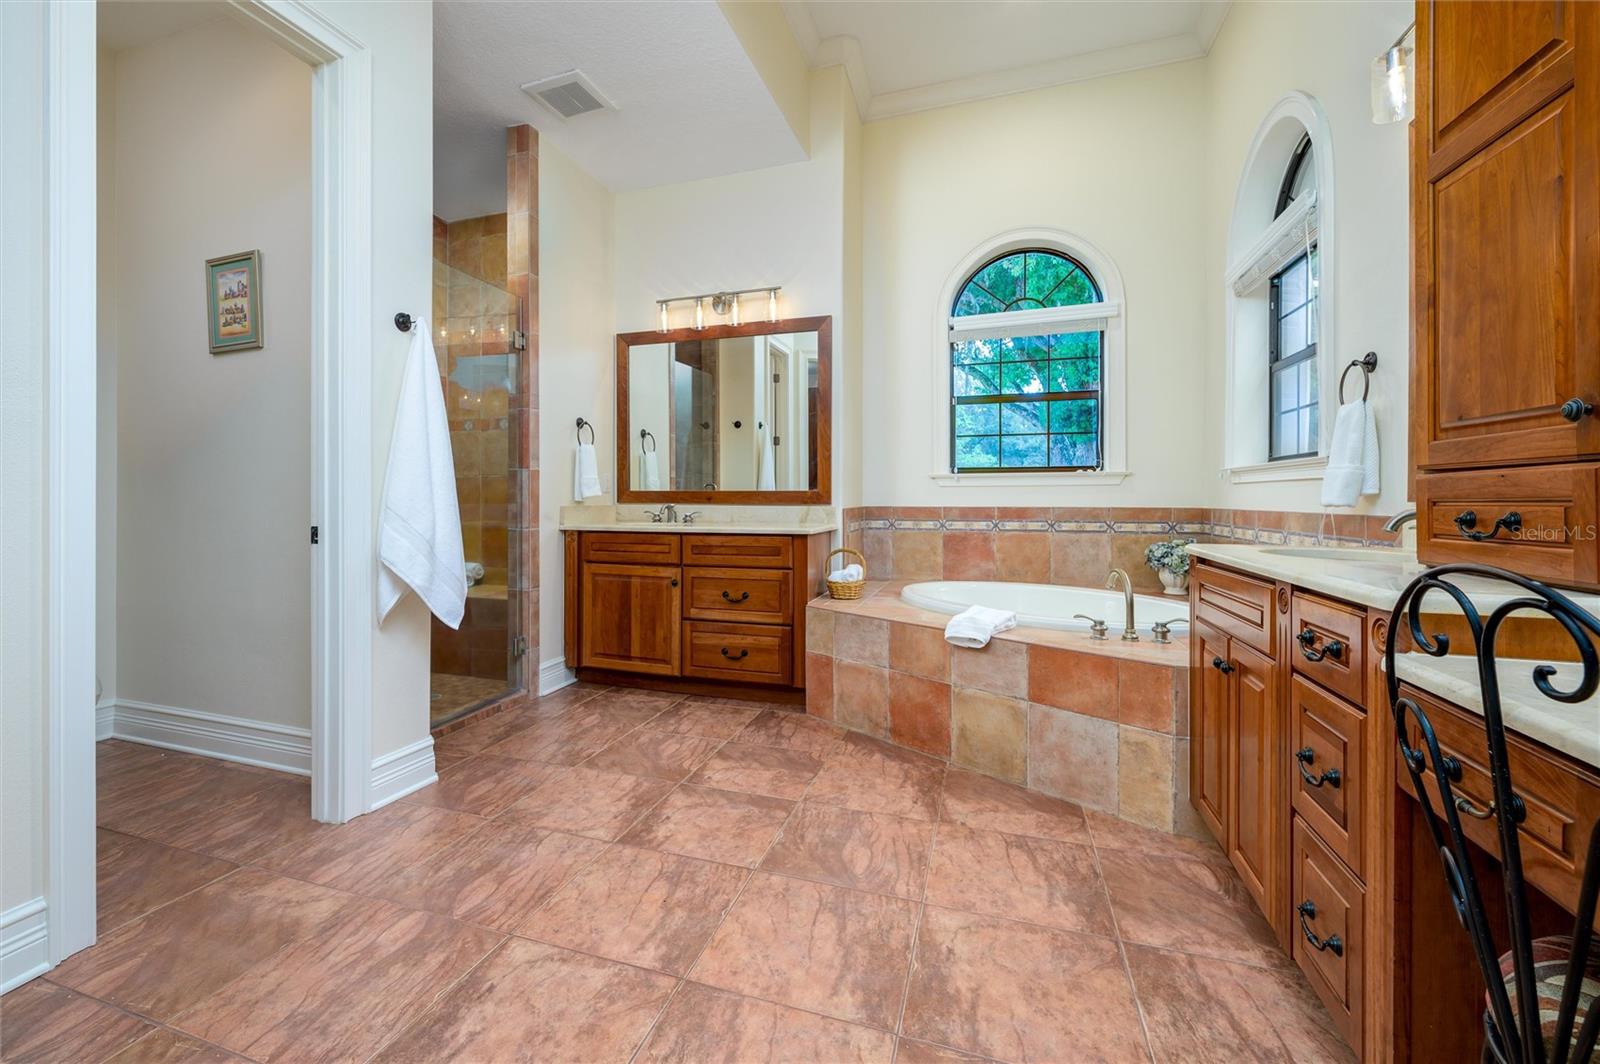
pixel 1097 394
pixel 1278 361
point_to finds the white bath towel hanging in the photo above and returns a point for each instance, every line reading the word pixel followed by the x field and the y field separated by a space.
pixel 585 473
pixel 419 530
pixel 974 626
pixel 652 472
pixel 1352 455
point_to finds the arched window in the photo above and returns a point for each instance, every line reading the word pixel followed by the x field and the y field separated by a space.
pixel 1027 339
pixel 1292 329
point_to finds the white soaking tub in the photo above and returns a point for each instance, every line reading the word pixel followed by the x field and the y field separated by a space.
pixel 1046 605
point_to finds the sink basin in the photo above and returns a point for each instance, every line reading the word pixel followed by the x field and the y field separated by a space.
pixel 1368 556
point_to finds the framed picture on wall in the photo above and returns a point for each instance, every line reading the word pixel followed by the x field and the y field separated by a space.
pixel 233 302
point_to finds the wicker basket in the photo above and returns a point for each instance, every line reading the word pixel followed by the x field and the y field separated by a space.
pixel 846 589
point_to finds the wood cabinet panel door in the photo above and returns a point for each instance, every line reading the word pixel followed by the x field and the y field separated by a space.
pixel 1489 57
pixel 631 618
pixel 1258 813
pixel 1208 728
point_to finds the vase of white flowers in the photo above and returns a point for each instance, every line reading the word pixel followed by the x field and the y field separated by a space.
pixel 1170 559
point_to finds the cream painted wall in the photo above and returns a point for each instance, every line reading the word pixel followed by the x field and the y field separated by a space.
pixel 1259 56
pixel 576 327
pixel 213 593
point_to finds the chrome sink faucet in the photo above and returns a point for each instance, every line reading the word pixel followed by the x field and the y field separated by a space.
pixel 1129 633
pixel 667 515
pixel 1404 517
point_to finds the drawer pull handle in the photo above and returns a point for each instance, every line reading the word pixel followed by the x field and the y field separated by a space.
pixel 1575 409
pixel 1308 911
pixel 1476 812
pixel 1221 666
pixel 729 598
pixel 745 653
pixel 1307 638
pixel 1303 759
pixel 1467 523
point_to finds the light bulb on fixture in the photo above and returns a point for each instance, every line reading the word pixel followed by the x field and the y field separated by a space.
pixel 1393 81
pixel 662 315
pixel 733 309
pixel 772 304
pixel 699 313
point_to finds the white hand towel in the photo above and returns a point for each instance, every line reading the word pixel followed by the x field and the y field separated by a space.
pixel 849 572
pixel 585 473
pixel 419 529
pixel 1352 456
pixel 974 626
pixel 652 472
pixel 764 481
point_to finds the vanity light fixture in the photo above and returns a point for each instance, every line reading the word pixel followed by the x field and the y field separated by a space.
pixel 1394 81
pixel 725 303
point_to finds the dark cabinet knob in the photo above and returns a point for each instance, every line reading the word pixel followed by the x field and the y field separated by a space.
pixel 674 581
pixel 1576 409
pixel 1221 666
pixel 1307 639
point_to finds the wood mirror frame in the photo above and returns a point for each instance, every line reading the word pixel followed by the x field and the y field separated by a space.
pixel 821 494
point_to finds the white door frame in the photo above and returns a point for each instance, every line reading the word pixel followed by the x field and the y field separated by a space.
pixel 342 327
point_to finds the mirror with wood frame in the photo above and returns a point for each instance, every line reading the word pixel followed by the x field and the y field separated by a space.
pixel 734 414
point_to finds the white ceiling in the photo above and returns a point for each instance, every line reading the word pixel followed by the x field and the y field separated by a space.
pixel 690 102
pixel 916 54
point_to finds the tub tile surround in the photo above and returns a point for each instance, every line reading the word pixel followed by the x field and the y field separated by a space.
pixel 1101 724
pixel 1073 545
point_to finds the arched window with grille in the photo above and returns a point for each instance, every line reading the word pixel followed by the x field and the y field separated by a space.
pixel 1027 360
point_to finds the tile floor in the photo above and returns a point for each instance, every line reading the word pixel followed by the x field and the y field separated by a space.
pixel 618 875
pixel 449 694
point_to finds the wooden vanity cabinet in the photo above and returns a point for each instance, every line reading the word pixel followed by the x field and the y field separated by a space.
pixel 695 611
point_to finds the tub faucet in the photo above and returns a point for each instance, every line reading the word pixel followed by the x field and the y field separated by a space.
pixel 1129 633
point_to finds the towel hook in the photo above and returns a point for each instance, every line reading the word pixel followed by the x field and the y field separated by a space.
pixel 643 435
pixel 1366 363
pixel 582 424
pixel 403 321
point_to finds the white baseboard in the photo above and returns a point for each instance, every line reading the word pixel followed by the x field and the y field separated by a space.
pixel 554 675
pixel 398 773
pixel 105 715
pixel 194 731
pixel 24 943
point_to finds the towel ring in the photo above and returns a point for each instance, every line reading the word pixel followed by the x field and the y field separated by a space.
pixel 1366 364
pixel 643 435
pixel 582 424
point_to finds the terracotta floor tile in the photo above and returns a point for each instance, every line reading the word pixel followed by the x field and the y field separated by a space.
pixel 838 952
pixel 1112 833
pixel 495 877
pixel 1037 880
pixel 483 734
pixel 980 801
pixel 585 801
pixel 533 1002
pixel 343 993
pixel 133 876
pixel 129 786
pixel 864 851
pixel 565 739
pixel 258 823
pixel 976 985
pixel 153 813
pixel 712 825
pixel 640 907
pixel 709 720
pixel 879 779
pixel 49 1024
pixel 1213 1012
pixel 910 1051
pixel 370 850
pixel 792 730
pixel 1193 906
pixel 768 770
pixel 705 1025
pixel 482 785
pixel 661 755
pixel 162 963
pixel 163 1046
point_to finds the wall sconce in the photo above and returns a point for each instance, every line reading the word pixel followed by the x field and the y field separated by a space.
pixel 724 303
pixel 1394 79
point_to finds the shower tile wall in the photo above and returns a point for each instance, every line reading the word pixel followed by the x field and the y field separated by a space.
pixel 522 279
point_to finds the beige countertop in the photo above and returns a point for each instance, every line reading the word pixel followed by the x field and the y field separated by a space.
pixel 773 520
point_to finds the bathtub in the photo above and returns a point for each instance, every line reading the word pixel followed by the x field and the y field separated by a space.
pixel 1045 605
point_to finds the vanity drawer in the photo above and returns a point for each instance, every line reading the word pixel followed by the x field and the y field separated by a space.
pixel 1329 906
pixel 1327 747
pixel 1561 798
pixel 752 653
pixel 1328 645
pixel 758 596
pixel 1236 604
pixel 1553 541
pixel 631 548
pixel 762 552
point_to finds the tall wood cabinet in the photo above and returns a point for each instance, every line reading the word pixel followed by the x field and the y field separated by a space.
pixel 1505 189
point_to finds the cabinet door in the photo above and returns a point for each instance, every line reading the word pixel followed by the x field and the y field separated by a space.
pixel 1208 728
pixel 1506 233
pixel 630 618
pixel 1258 812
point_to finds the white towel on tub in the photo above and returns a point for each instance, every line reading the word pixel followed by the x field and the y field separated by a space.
pixel 974 626
pixel 419 529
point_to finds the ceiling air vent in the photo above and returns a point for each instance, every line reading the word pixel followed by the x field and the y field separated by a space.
pixel 569 95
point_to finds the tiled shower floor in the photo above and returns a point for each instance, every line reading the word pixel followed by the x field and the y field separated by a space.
pixel 449 694
pixel 609 875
